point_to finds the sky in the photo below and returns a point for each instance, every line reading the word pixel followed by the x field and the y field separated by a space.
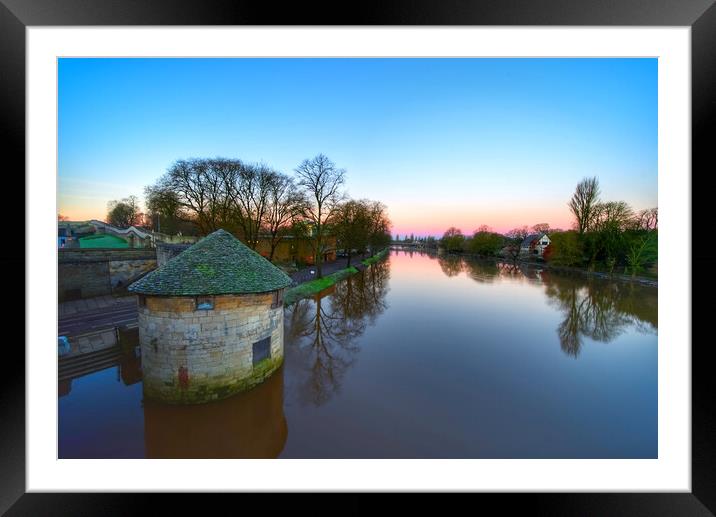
pixel 442 142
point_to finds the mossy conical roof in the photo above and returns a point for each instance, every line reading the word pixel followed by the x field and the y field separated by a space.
pixel 217 264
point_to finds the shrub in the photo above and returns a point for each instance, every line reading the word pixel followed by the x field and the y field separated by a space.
pixel 565 249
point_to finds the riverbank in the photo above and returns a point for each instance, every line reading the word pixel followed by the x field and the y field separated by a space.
pixel 375 258
pixel 652 282
pixel 648 281
pixel 309 288
pixel 91 324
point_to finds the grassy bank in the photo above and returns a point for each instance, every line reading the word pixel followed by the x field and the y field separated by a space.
pixel 375 258
pixel 312 287
pixel 645 279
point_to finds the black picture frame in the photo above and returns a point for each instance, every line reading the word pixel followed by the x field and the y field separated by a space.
pixel 700 15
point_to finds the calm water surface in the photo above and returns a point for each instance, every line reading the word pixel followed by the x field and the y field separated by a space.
pixel 420 356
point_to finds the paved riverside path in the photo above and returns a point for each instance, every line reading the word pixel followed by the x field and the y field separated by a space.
pixel 91 314
pixel 304 275
pixel 106 312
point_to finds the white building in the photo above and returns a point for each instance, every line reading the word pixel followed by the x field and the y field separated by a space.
pixel 534 244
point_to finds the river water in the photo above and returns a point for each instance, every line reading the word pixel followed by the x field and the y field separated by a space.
pixel 419 356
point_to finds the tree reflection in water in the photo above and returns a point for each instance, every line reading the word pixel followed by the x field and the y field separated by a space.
pixel 593 307
pixel 321 333
pixel 599 309
pixel 483 272
pixel 450 264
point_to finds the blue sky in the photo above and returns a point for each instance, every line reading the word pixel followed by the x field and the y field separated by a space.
pixel 442 142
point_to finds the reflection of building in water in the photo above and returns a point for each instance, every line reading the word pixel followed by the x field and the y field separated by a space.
pixel 130 360
pixel 130 367
pixel 122 353
pixel 210 321
pixel 531 273
pixel 247 425
pixel 64 387
pixel 322 333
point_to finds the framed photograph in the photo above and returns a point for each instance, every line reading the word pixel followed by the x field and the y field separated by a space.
pixel 411 251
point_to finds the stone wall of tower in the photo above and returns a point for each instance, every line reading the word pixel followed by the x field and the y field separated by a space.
pixel 192 355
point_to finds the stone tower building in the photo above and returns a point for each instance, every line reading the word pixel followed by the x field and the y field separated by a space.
pixel 210 321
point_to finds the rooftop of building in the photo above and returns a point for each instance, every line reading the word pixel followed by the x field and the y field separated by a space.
pixel 217 264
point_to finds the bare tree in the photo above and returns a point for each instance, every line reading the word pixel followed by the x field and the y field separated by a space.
pixel 540 228
pixel 284 205
pixel 249 194
pixel 222 175
pixel 518 233
pixel 583 203
pixel 163 208
pixel 322 181
pixel 351 223
pixel 125 212
pixel 379 225
pixel 615 216
pixel 200 189
pixel 514 242
pixel 187 179
pixel 647 219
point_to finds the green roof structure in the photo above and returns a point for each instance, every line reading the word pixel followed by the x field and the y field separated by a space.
pixel 217 264
pixel 102 241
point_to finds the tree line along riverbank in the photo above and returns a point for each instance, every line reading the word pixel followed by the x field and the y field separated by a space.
pixel 607 238
pixel 653 282
pixel 532 264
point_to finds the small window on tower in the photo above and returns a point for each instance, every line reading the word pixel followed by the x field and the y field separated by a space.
pixel 204 303
pixel 261 350
pixel 277 299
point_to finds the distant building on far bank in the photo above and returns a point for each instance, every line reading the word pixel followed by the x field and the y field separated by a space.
pixel 62 237
pixel 70 232
pixel 99 234
pixel 535 244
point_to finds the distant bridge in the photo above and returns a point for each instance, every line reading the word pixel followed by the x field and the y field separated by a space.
pixel 126 233
pixel 414 244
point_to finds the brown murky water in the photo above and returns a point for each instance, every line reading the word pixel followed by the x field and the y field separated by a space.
pixel 421 356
